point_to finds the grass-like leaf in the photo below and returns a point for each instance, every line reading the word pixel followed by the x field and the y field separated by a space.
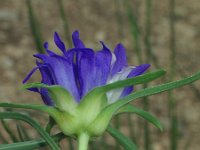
pixel 24 133
pixel 9 131
pixel 43 108
pixel 158 89
pixel 20 133
pixel 30 145
pixel 34 124
pixel 37 35
pixel 108 111
pixel 50 125
pixel 134 29
pixel 132 109
pixel 65 21
pixel 147 77
pixel 122 139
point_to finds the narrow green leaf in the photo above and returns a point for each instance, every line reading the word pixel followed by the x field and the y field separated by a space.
pixel 157 89
pixel 24 132
pixel 107 113
pixel 37 35
pixel 134 28
pixel 50 125
pixel 9 131
pixel 132 109
pixel 123 140
pixel 134 81
pixel 35 84
pixel 43 108
pixel 34 124
pixel 65 22
pixel 20 133
pixel 99 91
pixel 31 145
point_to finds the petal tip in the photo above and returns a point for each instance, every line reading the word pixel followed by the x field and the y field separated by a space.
pixel 56 34
pixel 46 45
pixel 104 45
pixel 75 34
pixel 120 45
pixel 76 40
pixel 145 65
pixel 59 42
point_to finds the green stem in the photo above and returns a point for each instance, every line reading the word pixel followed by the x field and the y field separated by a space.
pixel 83 140
pixel 34 25
pixel 148 46
pixel 134 30
pixel 146 125
pixel 9 131
pixel 131 128
pixel 70 142
pixel 117 125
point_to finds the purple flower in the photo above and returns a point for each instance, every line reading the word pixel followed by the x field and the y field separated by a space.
pixel 81 69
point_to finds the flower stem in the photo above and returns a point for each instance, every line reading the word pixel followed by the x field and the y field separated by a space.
pixel 83 140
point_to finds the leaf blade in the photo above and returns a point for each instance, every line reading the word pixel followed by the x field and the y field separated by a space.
pixel 34 124
pixel 32 144
pixel 107 113
pixel 9 131
pixel 141 79
pixel 43 108
pixel 34 25
pixel 132 109
pixel 99 91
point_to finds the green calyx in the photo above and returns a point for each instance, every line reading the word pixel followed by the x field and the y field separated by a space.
pixel 73 118
pixel 93 114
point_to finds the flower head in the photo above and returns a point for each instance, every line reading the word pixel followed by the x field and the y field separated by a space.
pixel 72 76
pixel 81 69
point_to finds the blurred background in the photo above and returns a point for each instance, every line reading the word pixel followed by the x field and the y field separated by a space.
pixel 165 34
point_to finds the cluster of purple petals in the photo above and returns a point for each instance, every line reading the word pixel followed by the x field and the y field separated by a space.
pixel 81 69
